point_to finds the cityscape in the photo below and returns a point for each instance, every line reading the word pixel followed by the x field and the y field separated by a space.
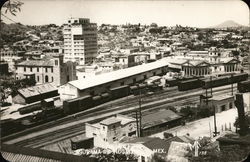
pixel 102 88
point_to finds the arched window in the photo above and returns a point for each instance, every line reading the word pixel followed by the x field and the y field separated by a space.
pixel 52 79
pixel 46 78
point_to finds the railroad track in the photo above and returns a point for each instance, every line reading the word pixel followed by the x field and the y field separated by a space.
pixel 77 129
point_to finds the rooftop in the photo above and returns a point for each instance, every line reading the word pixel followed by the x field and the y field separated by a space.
pixel 37 90
pixel 118 118
pixel 158 117
pixel 116 75
pixel 44 62
pixel 221 97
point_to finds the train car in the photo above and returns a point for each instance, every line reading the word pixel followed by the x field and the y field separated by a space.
pixel 138 89
pixel 226 74
pixel 171 82
pixel 30 108
pixel 189 84
pixel 238 78
pixel 71 106
pixel 215 82
pixel 244 86
pixel 85 102
pixel 97 100
pixel 105 97
pixel 119 92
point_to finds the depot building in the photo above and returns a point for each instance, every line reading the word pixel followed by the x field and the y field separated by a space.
pixel 100 84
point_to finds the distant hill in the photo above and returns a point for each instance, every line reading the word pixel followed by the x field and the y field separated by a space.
pixel 228 24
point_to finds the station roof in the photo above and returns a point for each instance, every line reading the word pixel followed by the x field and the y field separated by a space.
pixel 116 75
pixel 37 90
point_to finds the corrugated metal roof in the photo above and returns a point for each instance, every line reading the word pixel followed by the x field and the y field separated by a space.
pixel 37 90
pixel 24 158
pixel 159 117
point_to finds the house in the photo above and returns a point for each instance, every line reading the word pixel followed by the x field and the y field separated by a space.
pixel 147 147
pixel 35 93
pixel 220 103
pixel 154 122
pixel 49 69
pixel 17 153
pixel 111 130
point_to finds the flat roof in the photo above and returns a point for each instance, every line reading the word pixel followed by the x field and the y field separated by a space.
pixel 221 97
pixel 116 75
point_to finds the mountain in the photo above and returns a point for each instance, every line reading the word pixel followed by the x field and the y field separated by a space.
pixel 228 24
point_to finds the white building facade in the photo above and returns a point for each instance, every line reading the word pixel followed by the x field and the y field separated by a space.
pixel 80 41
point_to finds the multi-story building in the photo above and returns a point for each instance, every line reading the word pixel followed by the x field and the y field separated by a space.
pixel 48 69
pixel 111 130
pixel 11 56
pixel 80 41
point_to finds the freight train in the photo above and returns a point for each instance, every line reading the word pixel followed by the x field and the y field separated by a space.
pixel 211 82
pixel 244 86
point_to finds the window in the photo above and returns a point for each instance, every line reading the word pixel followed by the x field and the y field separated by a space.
pixel 122 83
pixel 37 69
pixel 145 76
pixel 24 68
pixel 37 78
pixel 52 70
pixel 46 70
pixel 52 79
pixel 30 69
pixel 46 78
pixel 56 62
pixel 230 105
pixel 154 73
pixel 223 107
pixel 103 128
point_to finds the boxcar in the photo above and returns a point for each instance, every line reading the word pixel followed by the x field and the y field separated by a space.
pixel 119 92
pixel 238 77
pixel 97 100
pixel 189 84
pixel 171 82
pixel 221 81
pixel 71 106
pixel 85 102
pixel 244 86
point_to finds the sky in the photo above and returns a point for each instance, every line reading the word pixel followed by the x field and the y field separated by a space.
pixel 196 13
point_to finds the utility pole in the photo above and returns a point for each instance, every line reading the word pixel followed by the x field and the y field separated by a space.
pixel 232 85
pixel 211 84
pixel 215 127
pixel 137 126
pixel 140 118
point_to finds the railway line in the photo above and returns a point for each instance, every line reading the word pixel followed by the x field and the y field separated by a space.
pixel 74 127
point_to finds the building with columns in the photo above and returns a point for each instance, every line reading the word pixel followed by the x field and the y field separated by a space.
pixel 203 67
pixel 80 41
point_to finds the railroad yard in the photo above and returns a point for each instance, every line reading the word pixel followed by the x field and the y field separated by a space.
pixel 50 135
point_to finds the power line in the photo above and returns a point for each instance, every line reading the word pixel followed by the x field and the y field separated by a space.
pixel 8 18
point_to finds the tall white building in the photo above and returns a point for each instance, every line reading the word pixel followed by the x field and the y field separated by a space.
pixel 80 41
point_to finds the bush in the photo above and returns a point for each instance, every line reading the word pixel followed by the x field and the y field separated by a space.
pixel 167 135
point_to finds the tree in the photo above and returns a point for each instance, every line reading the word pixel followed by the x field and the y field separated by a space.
pixel 167 135
pixel 12 6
